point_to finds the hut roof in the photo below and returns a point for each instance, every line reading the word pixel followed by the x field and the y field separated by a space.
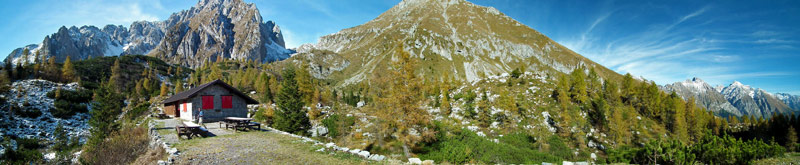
pixel 192 92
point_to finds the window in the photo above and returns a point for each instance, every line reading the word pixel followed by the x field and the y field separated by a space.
pixel 227 102
pixel 208 102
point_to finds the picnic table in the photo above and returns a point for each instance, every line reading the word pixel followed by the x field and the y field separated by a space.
pixel 188 129
pixel 239 123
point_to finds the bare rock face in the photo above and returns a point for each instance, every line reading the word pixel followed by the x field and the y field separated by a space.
pixel 704 95
pixel 452 38
pixel 230 29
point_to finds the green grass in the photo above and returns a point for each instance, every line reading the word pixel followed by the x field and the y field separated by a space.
pixel 262 147
pixel 788 158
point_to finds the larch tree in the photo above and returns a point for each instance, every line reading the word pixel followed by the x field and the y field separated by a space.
pixel 178 86
pixel 403 114
pixel 305 83
pixel 115 82
pixel 163 89
pixel 68 71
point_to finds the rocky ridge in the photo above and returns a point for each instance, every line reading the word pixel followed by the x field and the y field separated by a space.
pixel 735 99
pixel 231 29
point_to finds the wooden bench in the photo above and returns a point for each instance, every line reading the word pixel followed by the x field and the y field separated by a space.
pixel 188 129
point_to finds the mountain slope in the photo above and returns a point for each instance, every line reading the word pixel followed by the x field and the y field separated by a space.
pixel 231 29
pixel 228 28
pixel 753 101
pixel 705 96
pixel 793 101
pixel 466 41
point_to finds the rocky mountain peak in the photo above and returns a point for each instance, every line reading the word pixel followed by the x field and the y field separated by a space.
pixel 229 29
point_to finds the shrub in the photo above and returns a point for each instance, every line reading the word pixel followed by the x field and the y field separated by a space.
pixel 465 146
pixel 264 115
pixel 25 111
pixel 139 110
pixel 121 147
pixel 65 109
pixel 338 125
pixel 26 152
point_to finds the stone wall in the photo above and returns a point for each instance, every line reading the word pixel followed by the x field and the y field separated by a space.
pixel 239 105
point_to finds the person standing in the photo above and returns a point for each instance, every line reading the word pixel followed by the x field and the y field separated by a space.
pixel 200 119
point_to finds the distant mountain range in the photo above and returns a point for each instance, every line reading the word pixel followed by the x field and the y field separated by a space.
pixel 231 29
pixel 735 99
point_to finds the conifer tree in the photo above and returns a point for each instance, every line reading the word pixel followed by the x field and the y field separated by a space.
pixel 106 106
pixel 68 71
pixel 19 71
pixel 791 139
pixel 9 71
pixel 290 116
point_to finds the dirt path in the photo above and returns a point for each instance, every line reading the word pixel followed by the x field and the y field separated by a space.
pixel 263 147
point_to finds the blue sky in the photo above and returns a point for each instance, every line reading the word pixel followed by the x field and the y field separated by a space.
pixel 754 42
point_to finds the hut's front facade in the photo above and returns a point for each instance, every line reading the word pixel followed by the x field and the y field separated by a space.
pixel 216 99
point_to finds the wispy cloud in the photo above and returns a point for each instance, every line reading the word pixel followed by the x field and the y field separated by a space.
pixel 658 54
pixel 96 12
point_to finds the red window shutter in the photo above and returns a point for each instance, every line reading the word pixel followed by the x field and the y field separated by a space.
pixel 208 102
pixel 184 106
pixel 227 102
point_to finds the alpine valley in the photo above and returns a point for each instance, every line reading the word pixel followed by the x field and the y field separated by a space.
pixel 425 82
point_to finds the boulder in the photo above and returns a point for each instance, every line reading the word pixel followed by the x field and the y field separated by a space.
pixel 414 161
pixel 427 162
pixel 355 151
pixel 364 154
pixel 376 157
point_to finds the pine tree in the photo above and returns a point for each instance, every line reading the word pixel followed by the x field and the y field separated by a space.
pixel 9 71
pixel 163 89
pixel 19 71
pixel 290 115
pixel 106 106
pixel 791 139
